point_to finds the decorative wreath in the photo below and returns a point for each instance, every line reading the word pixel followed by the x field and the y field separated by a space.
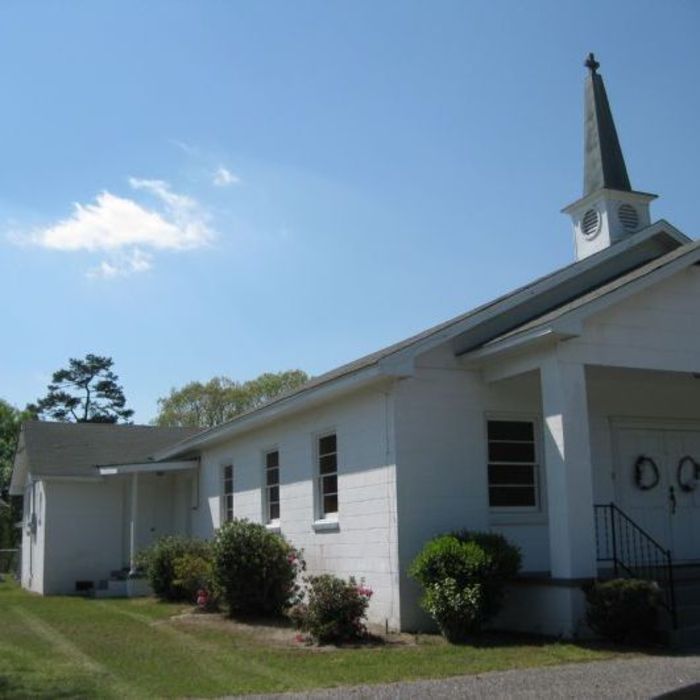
pixel 639 469
pixel 692 484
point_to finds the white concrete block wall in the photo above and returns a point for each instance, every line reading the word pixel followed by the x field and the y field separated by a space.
pixel 83 533
pixel 365 543
pixel 442 481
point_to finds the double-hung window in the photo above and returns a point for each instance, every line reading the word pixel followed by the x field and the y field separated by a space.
pixel 328 476
pixel 272 486
pixel 227 493
pixel 513 465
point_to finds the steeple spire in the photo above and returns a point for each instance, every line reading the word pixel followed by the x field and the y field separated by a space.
pixel 604 163
pixel 610 210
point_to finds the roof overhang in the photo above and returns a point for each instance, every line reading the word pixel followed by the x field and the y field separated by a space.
pixel 19 467
pixel 148 467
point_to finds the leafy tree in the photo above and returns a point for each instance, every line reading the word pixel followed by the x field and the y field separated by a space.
pixel 86 392
pixel 220 399
pixel 10 422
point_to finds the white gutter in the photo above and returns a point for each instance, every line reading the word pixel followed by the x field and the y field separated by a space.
pixel 148 467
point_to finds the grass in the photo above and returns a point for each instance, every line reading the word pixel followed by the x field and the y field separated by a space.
pixel 75 648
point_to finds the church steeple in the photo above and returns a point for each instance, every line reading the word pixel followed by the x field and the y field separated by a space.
pixel 609 209
pixel 604 164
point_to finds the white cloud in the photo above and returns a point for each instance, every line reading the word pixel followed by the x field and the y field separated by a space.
pixel 223 177
pixel 122 265
pixel 127 230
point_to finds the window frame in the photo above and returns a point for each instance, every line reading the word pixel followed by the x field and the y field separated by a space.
pixel 266 502
pixel 539 507
pixel 227 508
pixel 321 515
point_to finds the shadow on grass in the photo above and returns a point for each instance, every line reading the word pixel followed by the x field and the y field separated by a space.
pixel 19 687
pixel 496 640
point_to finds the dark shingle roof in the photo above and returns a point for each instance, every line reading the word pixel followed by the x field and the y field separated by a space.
pixel 74 449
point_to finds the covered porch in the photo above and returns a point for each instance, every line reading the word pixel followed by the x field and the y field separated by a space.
pixel 619 456
pixel 157 500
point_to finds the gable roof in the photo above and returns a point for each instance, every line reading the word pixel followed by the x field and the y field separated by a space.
pixel 690 252
pixel 466 331
pixel 74 449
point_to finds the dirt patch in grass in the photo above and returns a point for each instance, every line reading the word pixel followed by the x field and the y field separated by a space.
pixel 281 633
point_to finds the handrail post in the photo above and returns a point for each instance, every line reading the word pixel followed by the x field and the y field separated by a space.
pixel 613 538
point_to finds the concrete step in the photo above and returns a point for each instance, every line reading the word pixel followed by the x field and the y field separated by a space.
pixel 111 589
pixel 687 593
pixel 685 638
pixel 688 616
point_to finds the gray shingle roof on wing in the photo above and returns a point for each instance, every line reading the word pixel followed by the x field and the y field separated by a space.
pixel 74 449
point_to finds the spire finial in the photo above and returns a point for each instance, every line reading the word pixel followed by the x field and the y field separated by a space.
pixel 592 64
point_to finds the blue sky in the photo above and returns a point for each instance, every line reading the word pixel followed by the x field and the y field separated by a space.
pixel 201 188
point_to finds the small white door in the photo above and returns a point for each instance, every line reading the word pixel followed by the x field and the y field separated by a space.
pixel 670 514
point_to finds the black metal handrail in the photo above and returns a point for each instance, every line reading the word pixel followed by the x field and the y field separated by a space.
pixel 633 552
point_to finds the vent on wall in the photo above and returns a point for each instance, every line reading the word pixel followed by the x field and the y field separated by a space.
pixel 590 225
pixel 628 216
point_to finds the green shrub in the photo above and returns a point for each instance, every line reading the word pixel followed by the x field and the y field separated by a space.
pixel 193 573
pixel 255 569
pixel 623 610
pixel 159 560
pixel 463 576
pixel 458 610
pixel 334 611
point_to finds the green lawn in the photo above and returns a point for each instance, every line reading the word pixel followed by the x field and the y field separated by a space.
pixel 74 647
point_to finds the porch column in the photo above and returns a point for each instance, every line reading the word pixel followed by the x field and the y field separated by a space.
pixel 567 453
pixel 133 522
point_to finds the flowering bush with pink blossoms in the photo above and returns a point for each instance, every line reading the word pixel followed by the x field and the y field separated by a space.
pixel 334 609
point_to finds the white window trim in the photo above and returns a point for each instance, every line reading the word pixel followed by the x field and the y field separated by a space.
pixel 513 515
pixel 273 525
pixel 222 491
pixel 324 522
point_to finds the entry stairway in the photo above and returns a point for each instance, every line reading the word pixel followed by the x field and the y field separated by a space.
pixel 625 550
pixel 687 595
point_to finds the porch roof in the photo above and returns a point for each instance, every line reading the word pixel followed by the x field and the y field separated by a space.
pixel 684 256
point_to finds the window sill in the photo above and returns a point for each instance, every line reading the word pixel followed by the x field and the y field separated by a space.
pixel 273 527
pixel 514 517
pixel 326 525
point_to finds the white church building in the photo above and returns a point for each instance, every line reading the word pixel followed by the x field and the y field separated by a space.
pixel 564 415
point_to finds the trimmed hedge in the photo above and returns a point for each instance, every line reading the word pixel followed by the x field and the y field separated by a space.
pixel 623 610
